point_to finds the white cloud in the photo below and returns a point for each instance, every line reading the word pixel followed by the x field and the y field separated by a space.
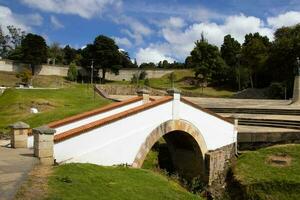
pixel 179 42
pixel 173 22
pixel 286 19
pixel 24 22
pixel 56 23
pixel 151 55
pixel 123 42
pixel 137 29
pixel 83 8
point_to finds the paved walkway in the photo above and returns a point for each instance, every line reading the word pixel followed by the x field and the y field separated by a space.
pixel 15 164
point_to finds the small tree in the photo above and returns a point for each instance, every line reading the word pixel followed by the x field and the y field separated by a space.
pixel 34 50
pixel 25 76
pixel 72 72
pixel 172 78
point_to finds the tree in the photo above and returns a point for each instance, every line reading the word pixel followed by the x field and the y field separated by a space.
pixel 56 53
pixel 105 55
pixel 72 72
pixel 11 42
pixel 255 53
pixel 69 55
pixel 230 52
pixel 34 50
pixel 205 59
pixel 25 76
pixel 283 53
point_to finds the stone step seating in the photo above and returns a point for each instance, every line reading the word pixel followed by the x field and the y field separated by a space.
pixel 291 124
pixel 269 111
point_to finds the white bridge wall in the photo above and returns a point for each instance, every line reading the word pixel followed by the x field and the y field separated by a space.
pixel 99 116
pixel 119 142
pixel 114 143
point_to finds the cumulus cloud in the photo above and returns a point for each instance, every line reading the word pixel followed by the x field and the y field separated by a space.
pixel 24 22
pixel 123 41
pixel 135 29
pixel 150 54
pixel 179 42
pixel 286 19
pixel 56 23
pixel 86 9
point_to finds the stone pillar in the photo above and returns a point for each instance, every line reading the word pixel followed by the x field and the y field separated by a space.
pixel 296 92
pixel 44 144
pixel 145 94
pixel 176 102
pixel 19 135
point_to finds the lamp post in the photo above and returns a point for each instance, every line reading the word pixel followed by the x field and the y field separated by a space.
pixel 298 66
pixel 92 72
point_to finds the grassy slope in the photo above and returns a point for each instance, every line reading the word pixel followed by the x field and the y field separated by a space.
pixel 264 181
pixel 190 90
pixel 53 104
pixel 9 79
pixel 87 181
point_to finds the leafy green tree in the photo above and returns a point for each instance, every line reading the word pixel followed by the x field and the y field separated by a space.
pixel 25 76
pixel 107 55
pixel 255 53
pixel 11 42
pixel 34 50
pixel 72 72
pixel 69 55
pixel 205 59
pixel 56 53
pixel 284 51
pixel 230 52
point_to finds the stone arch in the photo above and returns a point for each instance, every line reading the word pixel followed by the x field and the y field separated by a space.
pixel 165 128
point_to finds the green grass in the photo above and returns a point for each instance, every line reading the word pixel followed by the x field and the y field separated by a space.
pixel 187 89
pixel 9 79
pixel 53 104
pixel 264 181
pixel 87 181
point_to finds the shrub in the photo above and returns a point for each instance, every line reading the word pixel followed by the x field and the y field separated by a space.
pixel 72 72
pixel 143 75
pixel 25 76
pixel 277 90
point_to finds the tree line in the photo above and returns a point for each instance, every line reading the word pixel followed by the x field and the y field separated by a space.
pixel 257 62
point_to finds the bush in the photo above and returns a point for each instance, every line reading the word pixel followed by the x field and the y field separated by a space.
pixel 134 79
pixel 147 82
pixel 277 90
pixel 25 76
pixel 72 72
pixel 143 75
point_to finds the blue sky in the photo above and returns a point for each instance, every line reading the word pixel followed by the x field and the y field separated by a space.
pixel 151 30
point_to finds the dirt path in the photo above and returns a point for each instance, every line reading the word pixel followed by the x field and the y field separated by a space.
pixel 15 164
pixel 36 186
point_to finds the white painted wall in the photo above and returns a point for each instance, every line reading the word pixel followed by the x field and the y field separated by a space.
pixel 216 132
pixel 119 142
pixel 93 118
pixel 114 143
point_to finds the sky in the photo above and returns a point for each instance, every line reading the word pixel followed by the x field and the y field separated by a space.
pixel 150 30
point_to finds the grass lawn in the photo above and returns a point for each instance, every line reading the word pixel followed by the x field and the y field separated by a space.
pixel 9 79
pixel 263 178
pixel 187 89
pixel 15 104
pixel 87 181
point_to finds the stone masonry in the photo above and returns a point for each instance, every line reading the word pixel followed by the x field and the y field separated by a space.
pixel 296 92
pixel 19 135
pixel 43 144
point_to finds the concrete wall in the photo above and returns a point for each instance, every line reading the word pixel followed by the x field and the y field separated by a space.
pixel 124 74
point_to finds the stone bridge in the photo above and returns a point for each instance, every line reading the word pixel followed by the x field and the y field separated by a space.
pixel 124 132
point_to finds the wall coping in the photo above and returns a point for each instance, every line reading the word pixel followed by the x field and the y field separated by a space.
pixel 80 130
pixel 230 120
pixel 44 130
pixel 93 112
pixel 19 125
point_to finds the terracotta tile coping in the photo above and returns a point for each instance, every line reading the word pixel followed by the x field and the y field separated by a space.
pixel 93 112
pixel 79 130
pixel 230 120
